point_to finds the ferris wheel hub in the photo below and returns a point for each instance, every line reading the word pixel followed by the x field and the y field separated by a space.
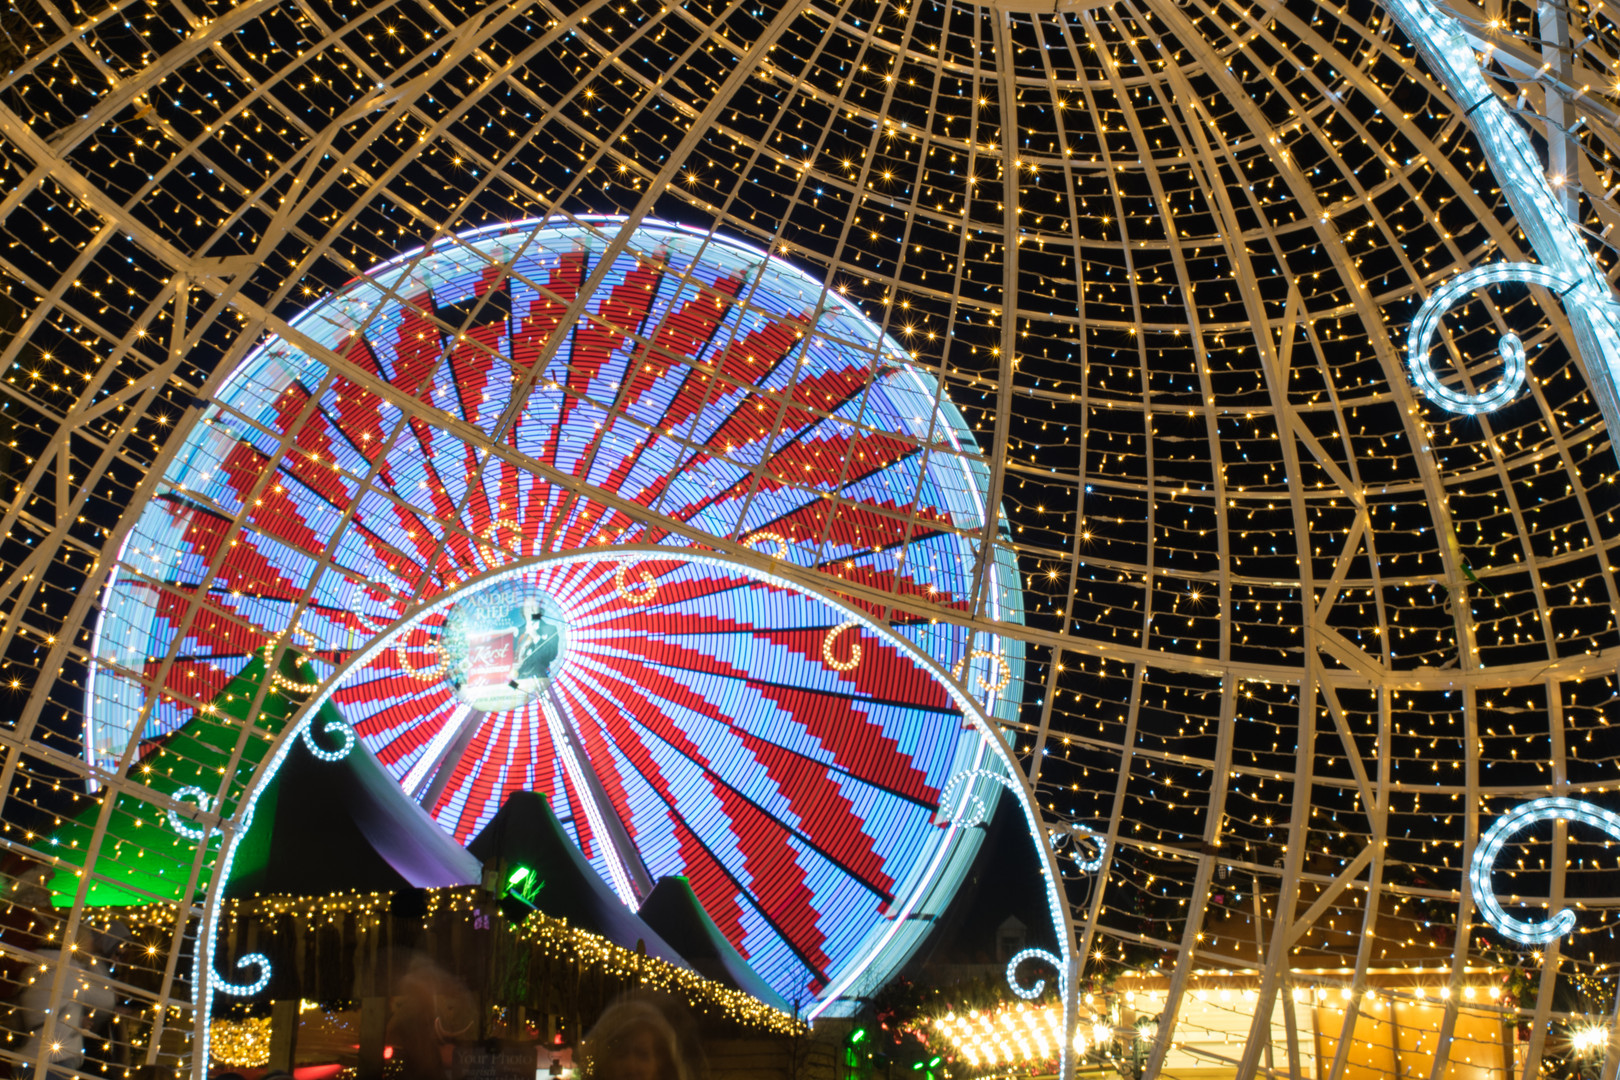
pixel 503 644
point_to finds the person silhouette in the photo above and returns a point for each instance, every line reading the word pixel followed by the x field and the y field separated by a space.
pixel 537 645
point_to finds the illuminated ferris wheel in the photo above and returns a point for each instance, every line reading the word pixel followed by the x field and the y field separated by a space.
pixel 480 479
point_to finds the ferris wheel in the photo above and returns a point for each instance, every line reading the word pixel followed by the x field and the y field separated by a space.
pixel 502 552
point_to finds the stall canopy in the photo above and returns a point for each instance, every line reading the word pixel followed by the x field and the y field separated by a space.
pixel 525 832
pixel 673 911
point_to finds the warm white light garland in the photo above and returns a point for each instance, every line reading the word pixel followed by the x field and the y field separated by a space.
pixel 1005 670
pixel 775 538
pixel 631 594
pixel 830 659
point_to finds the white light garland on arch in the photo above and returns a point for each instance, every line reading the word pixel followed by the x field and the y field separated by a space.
pixel 1036 988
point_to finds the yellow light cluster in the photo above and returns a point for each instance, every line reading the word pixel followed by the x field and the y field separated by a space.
pixel 242 1044
pixel 556 939
pixel 367 909
pixel 1017 1033
pixel 553 937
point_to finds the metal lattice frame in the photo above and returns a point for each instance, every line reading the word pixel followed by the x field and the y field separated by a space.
pixel 1289 624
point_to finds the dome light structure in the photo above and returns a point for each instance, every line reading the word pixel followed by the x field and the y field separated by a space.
pixel 1209 404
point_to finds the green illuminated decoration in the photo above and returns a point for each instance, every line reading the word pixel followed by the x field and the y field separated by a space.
pixel 149 850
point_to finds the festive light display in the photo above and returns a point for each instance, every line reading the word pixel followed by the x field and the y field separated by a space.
pixel 1157 255
pixel 552 937
pixel 1000 1037
pixel 241 1044
pixel 1070 837
pixel 1510 347
pixel 1509 825
pixel 204 801
pixel 343 732
pixel 798 795
pixel 1593 311
pixel 758 410
pixel 742 376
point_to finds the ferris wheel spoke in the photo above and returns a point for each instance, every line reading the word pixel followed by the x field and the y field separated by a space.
pixel 400 732
pixel 605 799
pixel 543 310
pixel 277 513
pixel 478 781
pixel 679 340
pixel 428 777
pixel 652 694
pixel 472 367
pixel 588 348
pixel 809 402
pixel 245 568
pixel 783 476
pixel 856 768
pixel 746 828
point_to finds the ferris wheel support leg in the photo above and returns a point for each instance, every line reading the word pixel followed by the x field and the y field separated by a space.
pixel 605 823
pixel 431 784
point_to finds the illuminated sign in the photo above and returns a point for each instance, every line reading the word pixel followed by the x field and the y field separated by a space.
pixel 498 646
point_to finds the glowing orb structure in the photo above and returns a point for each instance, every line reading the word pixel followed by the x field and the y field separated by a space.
pixel 439 467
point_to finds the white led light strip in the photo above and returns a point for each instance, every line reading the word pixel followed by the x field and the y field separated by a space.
pixel 1550 808
pixel 1566 264
pixel 1033 990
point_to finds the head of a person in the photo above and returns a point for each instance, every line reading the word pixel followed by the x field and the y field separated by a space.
pixel 633 1041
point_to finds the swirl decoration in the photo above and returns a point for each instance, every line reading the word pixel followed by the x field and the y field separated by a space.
pixel 1510 348
pixel 776 538
pixel 854 648
pixel 1066 839
pixel 627 592
pixel 985 654
pixel 1550 808
pixel 490 548
pixel 428 674
pixel 335 728
pixel 293 687
pixel 953 810
pixel 179 824
pixel 1032 991
pixel 252 959
pixel 1566 262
